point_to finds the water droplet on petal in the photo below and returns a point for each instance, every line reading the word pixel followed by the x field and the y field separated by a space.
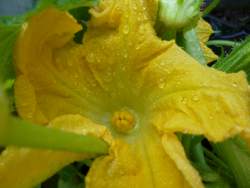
pixel 125 55
pixel 126 29
pixel 234 84
pixel 184 100
pixel 162 83
pixel 195 98
pixel 211 117
pixel 161 86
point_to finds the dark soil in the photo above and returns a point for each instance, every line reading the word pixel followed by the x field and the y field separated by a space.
pixel 230 24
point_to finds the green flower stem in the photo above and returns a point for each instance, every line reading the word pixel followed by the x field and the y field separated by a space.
pixel 23 134
pixel 223 43
pixel 189 41
pixel 211 7
pixel 237 159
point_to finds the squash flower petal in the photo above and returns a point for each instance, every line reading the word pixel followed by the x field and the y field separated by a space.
pixel 144 164
pixel 204 31
pixel 127 79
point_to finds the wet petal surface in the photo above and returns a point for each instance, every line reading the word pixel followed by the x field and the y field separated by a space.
pixel 123 66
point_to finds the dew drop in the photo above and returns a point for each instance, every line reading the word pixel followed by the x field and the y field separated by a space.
pixel 135 8
pixel 161 85
pixel 125 55
pixel 139 19
pixel 234 84
pixel 126 30
pixel 195 98
pixel 184 100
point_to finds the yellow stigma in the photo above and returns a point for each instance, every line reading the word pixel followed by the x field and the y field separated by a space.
pixel 123 121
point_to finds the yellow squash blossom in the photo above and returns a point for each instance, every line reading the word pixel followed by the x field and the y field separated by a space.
pixel 124 78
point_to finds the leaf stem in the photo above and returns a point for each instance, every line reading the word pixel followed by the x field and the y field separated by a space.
pixel 21 133
pixel 211 7
pixel 237 159
pixel 223 43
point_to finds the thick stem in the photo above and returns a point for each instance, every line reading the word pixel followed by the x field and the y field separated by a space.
pixel 21 133
pixel 189 41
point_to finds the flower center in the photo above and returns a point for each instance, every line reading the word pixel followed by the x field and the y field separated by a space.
pixel 123 121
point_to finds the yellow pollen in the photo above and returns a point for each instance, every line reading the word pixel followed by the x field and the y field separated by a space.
pixel 123 121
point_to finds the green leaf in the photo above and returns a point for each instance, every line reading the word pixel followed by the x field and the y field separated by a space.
pixel 237 159
pixel 70 184
pixel 70 177
pixel 9 30
pixel 82 15
pixel 66 4
pixel 237 60
pixel 69 171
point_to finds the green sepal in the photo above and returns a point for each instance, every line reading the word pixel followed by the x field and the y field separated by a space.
pixel 179 14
